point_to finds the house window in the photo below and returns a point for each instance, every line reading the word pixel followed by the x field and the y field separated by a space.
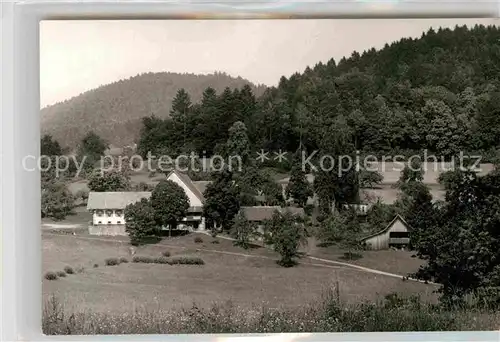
pixel 398 235
pixel 99 213
pixel 109 213
pixel 119 212
pixel 99 222
pixel 109 222
pixel 119 222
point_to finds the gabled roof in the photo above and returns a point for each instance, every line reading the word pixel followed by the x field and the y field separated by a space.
pixel 114 200
pixel 119 200
pixel 189 183
pixel 396 218
pixel 201 185
pixel 261 213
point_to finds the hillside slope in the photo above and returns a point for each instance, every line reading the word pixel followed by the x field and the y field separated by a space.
pixel 114 111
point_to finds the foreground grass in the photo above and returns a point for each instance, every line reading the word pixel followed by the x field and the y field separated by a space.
pixel 325 315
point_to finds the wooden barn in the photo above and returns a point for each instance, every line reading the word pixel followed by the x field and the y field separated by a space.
pixel 395 234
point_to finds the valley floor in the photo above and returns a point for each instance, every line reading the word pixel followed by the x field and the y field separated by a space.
pixel 246 277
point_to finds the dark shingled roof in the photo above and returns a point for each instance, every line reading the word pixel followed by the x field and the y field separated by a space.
pixel 114 200
pixel 119 200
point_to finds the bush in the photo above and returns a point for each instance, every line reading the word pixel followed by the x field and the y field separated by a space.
pixel 143 259
pixel 198 239
pixel 80 269
pixel 50 276
pixel 96 265
pixel 61 274
pixel 186 260
pixel 123 260
pixel 161 260
pixel 69 270
pixel 351 256
pixel 165 253
pixel 112 262
pixel 216 242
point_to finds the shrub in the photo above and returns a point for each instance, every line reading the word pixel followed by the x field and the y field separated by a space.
pixel 198 239
pixel 123 260
pixel 112 262
pixel 143 259
pixel 186 260
pixel 96 265
pixel 69 270
pixel 216 242
pixel 165 253
pixel 161 260
pixel 80 269
pixel 61 274
pixel 50 276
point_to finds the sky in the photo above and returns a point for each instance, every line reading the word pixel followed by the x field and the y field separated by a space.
pixel 76 56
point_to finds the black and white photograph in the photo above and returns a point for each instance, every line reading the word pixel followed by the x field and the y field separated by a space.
pixel 269 176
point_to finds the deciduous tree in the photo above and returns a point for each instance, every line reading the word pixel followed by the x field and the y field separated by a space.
pixel 221 200
pixel 140 221
pixel 113 180
pixel 286 233
pixel 170 204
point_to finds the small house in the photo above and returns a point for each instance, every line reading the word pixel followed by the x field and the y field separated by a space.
pixel 259 214
pixel 395 234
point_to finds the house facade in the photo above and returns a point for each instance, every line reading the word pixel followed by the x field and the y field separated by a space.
pixel 395 234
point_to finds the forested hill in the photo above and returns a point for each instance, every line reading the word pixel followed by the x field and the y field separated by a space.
pixel 439 92
pixel 114 111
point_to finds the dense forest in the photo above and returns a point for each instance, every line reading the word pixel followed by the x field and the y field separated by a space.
pixel 439 92
pixel 114 111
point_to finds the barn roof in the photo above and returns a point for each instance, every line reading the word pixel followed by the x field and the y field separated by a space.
pixel 119 200
pixel 201 185
pixel 396 218
pixel 114 200
pixel 261 213
pixel 189 183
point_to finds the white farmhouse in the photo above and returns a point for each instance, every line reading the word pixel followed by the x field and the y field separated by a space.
pixel 108 208
pixel 108 211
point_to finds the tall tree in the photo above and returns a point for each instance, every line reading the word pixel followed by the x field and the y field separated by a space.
pixel 242 231
pixel 181 106
pixel 140 221
pixel 57 200
pixel 286 233
pixel 462 252
pixel 91 148
pixel 412 172
pixel 113 180
pixel 221 200
pixel 238 146
pixel 50 146
pixel 299 188
pixel 170 204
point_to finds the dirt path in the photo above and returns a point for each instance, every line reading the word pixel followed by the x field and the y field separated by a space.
pixel 311 249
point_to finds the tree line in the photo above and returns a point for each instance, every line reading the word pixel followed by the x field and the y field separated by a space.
pixel 439 92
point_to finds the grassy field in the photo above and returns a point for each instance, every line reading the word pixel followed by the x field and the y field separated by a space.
pixel 392 261
pixel 248 278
